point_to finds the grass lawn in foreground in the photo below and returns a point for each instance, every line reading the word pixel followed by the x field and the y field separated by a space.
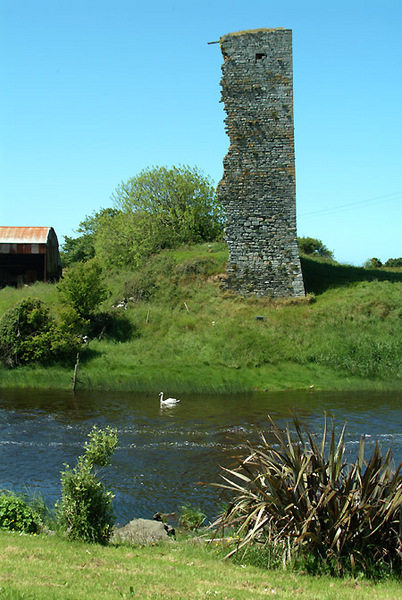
pixel 49 567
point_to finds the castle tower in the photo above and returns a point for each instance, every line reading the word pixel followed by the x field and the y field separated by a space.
pixel 258 188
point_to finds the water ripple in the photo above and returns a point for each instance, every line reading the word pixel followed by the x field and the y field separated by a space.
pixel 161 457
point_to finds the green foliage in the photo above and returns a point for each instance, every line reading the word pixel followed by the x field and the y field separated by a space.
pixel 82 248
pixel 85 510
pixel 28 334
pixel 373 263
pixel 314 247
pixel 83 289
pixel 159 208
pixel 302 492
pixel 191 517
pixel 393 262
pixel 17 515
pixel 100 448
pixel 78 249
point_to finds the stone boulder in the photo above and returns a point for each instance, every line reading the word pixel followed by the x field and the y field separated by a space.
pixel 141 531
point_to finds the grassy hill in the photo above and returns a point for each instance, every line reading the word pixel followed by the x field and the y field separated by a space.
pixel 179 329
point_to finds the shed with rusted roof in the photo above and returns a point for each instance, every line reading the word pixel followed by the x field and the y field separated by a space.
pixel 28 254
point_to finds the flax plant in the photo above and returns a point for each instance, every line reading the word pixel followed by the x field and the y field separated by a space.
pixel 302 492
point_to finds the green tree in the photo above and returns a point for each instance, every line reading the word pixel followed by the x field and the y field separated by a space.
pixel 314 247
pixel 373 263
pixel 393 262
pixel 83 289
pixel 159 208
pixel 82 247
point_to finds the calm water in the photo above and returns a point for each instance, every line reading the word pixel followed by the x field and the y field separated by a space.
pixel 162 455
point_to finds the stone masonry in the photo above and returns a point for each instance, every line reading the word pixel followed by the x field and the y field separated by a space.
pixel 258 188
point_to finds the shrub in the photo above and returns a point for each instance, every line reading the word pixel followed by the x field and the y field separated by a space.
pixel 83 289
pixel 302 493
pixel 28 333
pixel 17 515
pixel 85 510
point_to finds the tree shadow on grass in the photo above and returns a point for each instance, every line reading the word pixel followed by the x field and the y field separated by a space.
pixel 319 276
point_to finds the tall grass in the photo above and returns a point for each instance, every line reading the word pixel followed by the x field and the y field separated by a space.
pixel 37 377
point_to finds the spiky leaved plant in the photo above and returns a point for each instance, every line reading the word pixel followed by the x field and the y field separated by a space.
pixel 302 492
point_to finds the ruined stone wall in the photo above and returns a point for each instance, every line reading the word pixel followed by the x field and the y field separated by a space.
pixel 258 185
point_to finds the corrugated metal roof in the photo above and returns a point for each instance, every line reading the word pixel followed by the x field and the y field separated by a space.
pixel 24 235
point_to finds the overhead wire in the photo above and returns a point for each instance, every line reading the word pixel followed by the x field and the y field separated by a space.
pixel 350 205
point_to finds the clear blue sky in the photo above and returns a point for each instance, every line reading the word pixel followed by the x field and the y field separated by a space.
pixel 93 91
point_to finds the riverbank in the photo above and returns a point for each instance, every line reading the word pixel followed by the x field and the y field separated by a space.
pixel 45 567
pixel 284 377
pixel 173 326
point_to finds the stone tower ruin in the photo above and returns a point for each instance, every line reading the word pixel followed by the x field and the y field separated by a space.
pixel 258 188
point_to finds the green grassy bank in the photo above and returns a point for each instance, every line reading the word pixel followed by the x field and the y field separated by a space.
pixel 181 331
pixel 49 568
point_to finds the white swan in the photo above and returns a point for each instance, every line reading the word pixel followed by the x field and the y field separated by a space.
pixel 168 401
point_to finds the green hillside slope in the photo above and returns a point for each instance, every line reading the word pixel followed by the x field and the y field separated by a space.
pixel 177 328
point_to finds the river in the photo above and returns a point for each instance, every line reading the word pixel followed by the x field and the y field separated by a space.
pixel 164 454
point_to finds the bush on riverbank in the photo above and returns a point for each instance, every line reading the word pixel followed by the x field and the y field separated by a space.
pixel 17 515
pixel 85 511
pixel 174 326
pixel 28 333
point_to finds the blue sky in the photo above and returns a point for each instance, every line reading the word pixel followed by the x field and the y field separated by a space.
pixel 94 91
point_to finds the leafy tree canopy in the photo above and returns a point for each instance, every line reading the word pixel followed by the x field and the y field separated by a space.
pixel 373 263
pixel 82 247
pixel 159 208
pixel 314 247
pixel 393 262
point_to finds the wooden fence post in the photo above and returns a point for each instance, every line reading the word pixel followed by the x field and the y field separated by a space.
pixel 75 376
